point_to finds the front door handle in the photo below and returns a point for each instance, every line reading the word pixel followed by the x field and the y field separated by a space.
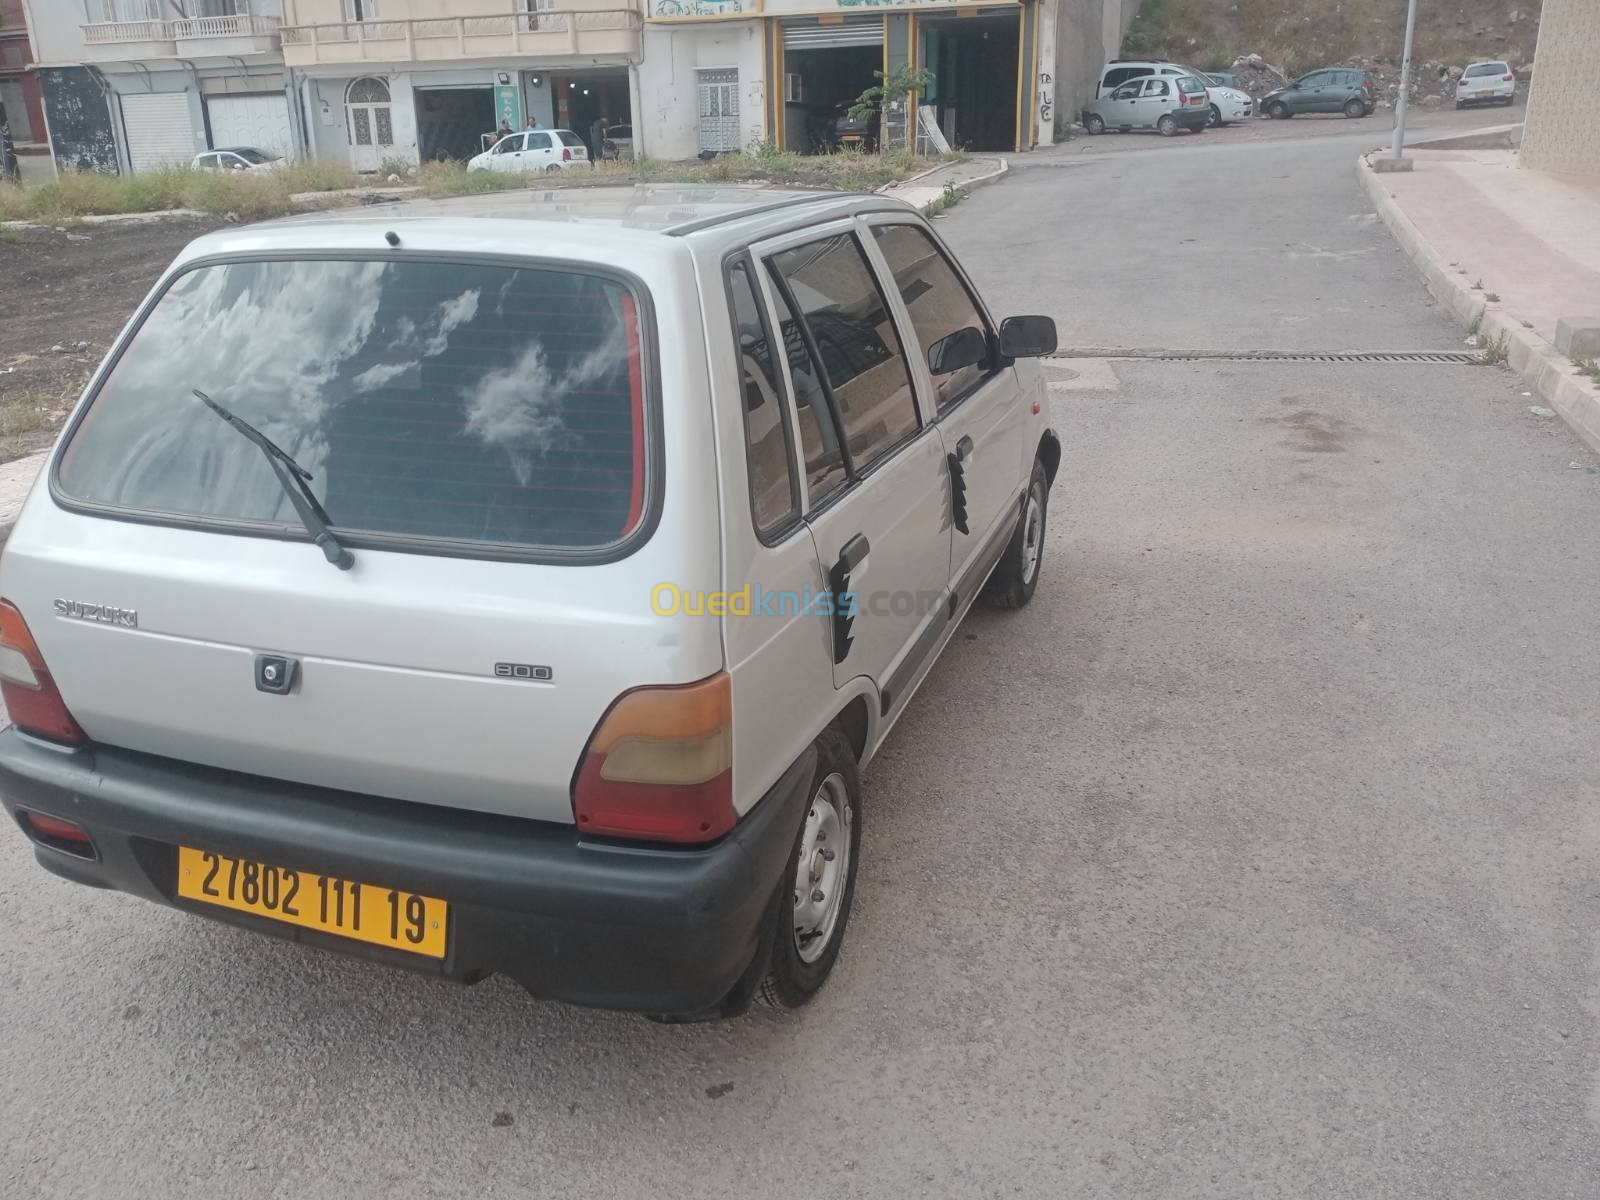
pixel 964 448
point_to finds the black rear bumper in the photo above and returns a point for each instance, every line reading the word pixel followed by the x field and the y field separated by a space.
pixel 659 930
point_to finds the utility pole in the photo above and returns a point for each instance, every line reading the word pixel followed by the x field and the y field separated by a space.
pixel 1402 103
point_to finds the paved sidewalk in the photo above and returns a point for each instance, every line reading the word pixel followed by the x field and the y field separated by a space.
pixel 927 191
pixel 1508 249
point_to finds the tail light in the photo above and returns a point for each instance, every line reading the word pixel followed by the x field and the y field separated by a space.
pixel 56 833
pixel 1182 99
pixel 1507 78
pixel 660 765
pixel 29 692
pixel 566 154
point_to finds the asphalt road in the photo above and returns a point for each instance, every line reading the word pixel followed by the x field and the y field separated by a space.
pixel 1256 858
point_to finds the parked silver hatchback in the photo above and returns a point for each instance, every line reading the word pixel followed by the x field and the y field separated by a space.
pixel 519 583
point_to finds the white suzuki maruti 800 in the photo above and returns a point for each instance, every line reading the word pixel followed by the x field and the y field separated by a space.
pixel 519 583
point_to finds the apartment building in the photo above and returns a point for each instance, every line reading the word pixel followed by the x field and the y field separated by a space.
pixel 129 85
pixel 135 84
pixel 19 88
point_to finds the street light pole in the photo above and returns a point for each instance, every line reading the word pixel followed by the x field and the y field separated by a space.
pixel 1405 84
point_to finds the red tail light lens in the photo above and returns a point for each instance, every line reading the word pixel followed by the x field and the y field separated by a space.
pixel 26 686
pixel 660 765
pixel 566 154
pixel 57 834
pixel 1507 78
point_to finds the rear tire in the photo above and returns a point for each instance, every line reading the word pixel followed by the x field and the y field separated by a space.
pixel 552 169
pixel 1016 576
pixel 1167 126
pixel 1355 108
pixel 1094 124
pixel 1278 111
pixel 827 850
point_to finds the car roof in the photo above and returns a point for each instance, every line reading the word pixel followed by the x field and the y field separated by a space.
pixel 615 220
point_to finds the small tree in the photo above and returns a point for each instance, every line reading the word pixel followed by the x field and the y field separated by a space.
pixel 895 86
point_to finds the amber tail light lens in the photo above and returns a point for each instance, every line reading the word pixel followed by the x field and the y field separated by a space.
pixel 29 692
pixel 660 765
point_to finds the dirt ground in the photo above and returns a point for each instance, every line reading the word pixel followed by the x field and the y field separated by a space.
pixel 64 295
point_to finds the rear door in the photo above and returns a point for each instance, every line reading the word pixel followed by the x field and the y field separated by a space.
pixel 484 438
pixel 538 155
pixel 977 405
pixel 877 514
pixel 1155 102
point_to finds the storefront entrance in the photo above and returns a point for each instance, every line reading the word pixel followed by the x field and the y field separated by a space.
pixel 974 60
pixel 452 122
pixel 826 66
pixel 582 98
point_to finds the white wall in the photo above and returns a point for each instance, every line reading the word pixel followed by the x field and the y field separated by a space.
pixel 667 125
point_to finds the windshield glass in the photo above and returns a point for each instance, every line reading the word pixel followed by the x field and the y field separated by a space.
pixel 430 400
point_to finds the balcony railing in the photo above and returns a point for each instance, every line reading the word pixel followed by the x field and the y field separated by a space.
pixel 238 25
pixel 575 30
pixel 105 32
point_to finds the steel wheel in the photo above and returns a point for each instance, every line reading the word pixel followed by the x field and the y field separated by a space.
pixel 1167 126
pixel 821 868
pixel 1032 535
pixel 1095 124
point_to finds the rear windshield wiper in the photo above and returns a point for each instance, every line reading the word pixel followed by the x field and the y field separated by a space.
pixel 296 483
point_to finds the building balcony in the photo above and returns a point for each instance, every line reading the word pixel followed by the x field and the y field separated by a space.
pixel 240 34
pixel 153 37
pixel 573 31
pixel 122 41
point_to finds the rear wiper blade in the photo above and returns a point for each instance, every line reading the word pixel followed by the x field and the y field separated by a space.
pixel 296 483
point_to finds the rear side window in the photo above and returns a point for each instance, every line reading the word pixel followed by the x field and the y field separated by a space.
pixel 939 304
pixel 465 402
pixel 819 437
pixel 773 497
pixel 568 138
pixel 1155 87
pixel 855 339
pixel 538 141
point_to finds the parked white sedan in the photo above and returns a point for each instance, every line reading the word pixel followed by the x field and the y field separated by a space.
pixel 533 150
pixel 238 158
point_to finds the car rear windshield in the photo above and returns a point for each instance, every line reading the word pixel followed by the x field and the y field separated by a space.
pixel 1486 69
pixel 1188 83
pixel 466 402
pixel 568 138
pixel 253 156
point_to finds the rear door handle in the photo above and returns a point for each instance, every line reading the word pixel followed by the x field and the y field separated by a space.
pixel 964 448
pixel 855 552
pixel 851 556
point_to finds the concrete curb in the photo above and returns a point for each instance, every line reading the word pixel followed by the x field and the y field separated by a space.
pixel 926 197
pixel 161 214
pixel 1549 373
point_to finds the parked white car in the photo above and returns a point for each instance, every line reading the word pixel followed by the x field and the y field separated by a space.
pixel 533 150
pixel 1486 83
pixel 516 584
pixel 238 158
pixel 1225 103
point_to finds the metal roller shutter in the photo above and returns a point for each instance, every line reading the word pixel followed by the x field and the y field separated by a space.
pixel 160 133
pixel 853 31
pixel 260 121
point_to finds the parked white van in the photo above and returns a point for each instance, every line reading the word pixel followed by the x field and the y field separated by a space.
pixel 519 583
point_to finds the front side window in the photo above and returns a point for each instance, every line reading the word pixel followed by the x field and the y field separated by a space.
pixel 508 145
pixel 855 339
pixel 1128 91
pixel 941 308
pixel 773 497
pixel 429 400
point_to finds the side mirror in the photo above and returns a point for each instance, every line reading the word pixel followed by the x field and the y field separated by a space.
pixel 964 348
pixel 1027 337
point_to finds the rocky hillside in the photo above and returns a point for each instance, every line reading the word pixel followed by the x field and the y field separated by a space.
pixel 1296 36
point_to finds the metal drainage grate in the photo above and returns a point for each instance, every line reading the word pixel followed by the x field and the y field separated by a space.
pixel 1454 357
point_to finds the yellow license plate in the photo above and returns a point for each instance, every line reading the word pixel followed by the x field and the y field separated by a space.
pixel 383 916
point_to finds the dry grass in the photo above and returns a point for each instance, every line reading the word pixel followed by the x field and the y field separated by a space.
pixel 847 170
pixel 248 195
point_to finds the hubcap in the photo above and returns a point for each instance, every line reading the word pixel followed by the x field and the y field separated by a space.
pixel 821 869
pixel 1032 536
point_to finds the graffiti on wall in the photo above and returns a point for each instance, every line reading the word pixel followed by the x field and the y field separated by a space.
pixel 1047 98
pixel 700 8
